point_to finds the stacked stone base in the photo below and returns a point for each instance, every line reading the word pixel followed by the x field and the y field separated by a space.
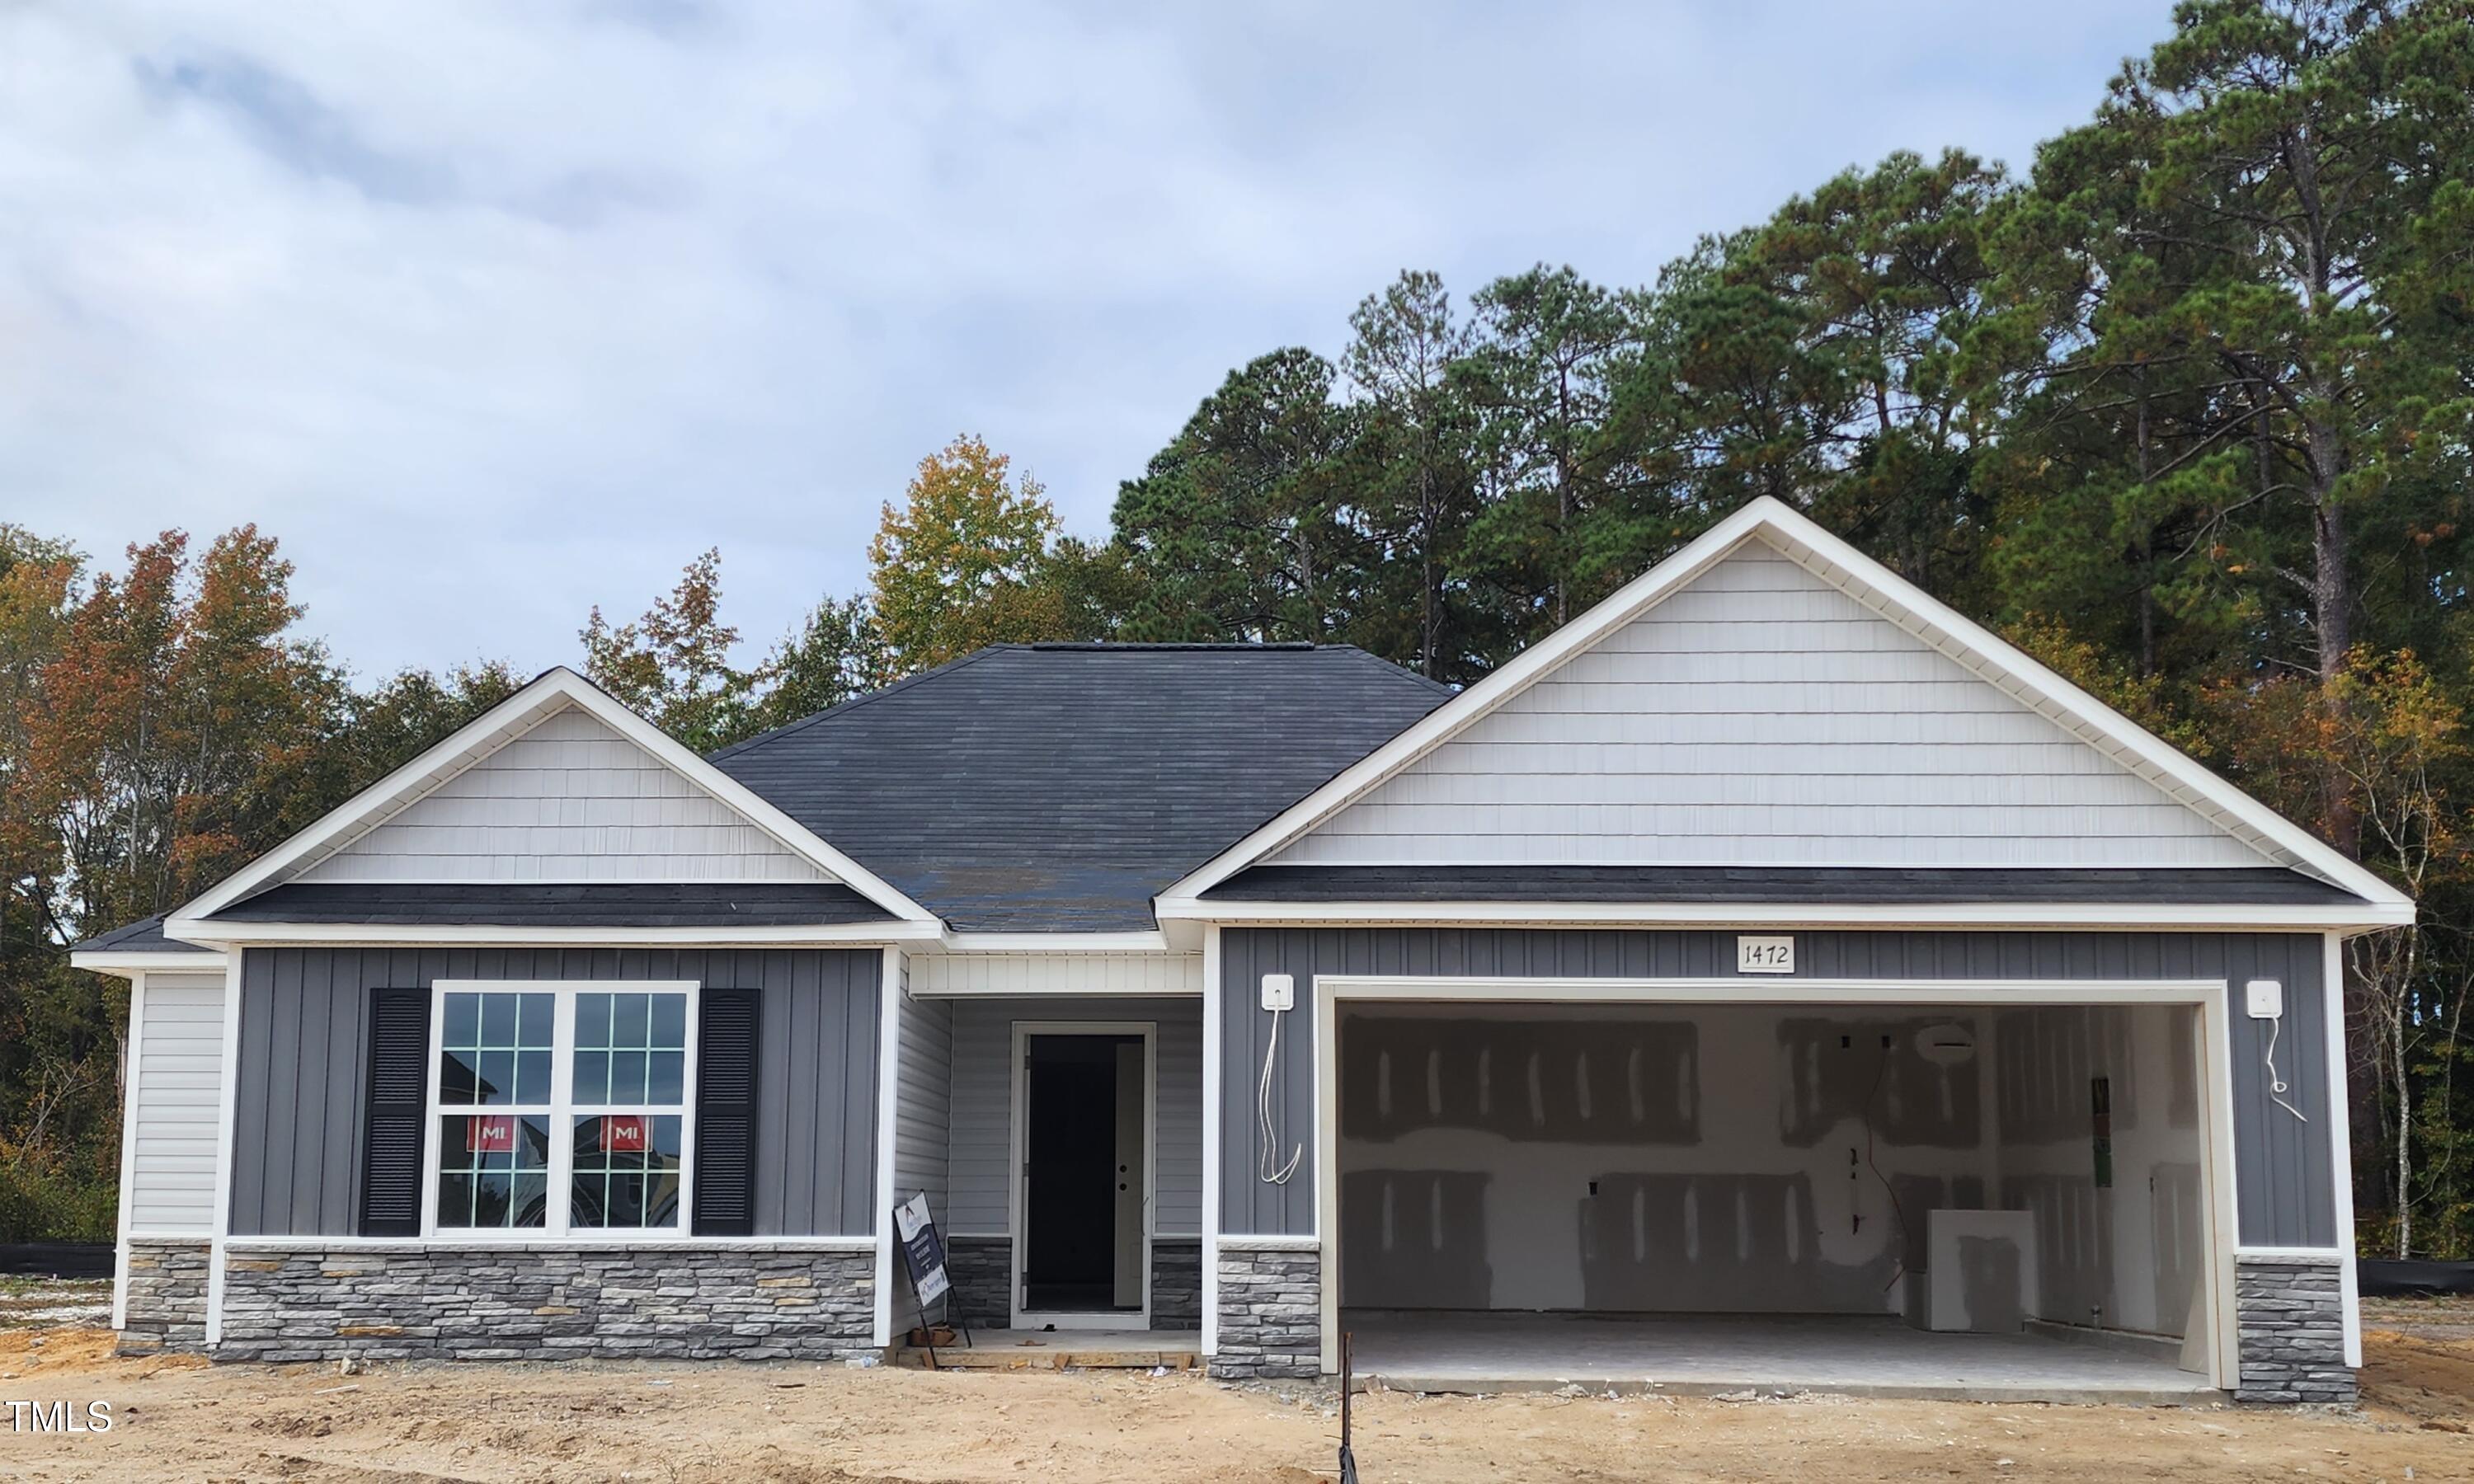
pixel 1176 1283
pixel 485 1303
pixel 1270 1313
pixel 2290 1315
pixel 165 1300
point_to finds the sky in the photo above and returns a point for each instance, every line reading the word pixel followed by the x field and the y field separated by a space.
pixel 492 313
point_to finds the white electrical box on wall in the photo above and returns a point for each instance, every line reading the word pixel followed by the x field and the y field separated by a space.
pixel 2265 999
pixel 1280 991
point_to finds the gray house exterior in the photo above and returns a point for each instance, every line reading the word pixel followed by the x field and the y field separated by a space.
pixel 1761 943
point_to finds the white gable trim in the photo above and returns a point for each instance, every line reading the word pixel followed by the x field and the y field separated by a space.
pixel 1896 599
pixel 519 713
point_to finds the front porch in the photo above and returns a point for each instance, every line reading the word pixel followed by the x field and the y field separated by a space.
pixel 1059 1138
pixel 1064 1349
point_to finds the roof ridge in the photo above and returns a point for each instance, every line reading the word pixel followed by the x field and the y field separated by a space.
pixel 1137 646
pixel 856 701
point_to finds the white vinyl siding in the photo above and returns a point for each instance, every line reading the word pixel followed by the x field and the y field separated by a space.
pixel 1760 716
pixel 923 1103
pixel 176 1103
pixel 1055 974
pixel 569 800
pixel 983 1105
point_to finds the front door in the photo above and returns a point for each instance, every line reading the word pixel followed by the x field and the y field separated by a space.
pixel 1084 1110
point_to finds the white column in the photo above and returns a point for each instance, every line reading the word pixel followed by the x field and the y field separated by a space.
pixel 2340 1153
pixel 1210 1139
pixel 888 1077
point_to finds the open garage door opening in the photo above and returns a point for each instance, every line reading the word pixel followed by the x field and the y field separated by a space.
pixel 1933 1198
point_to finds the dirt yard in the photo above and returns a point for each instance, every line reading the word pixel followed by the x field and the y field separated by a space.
pixel 180 1418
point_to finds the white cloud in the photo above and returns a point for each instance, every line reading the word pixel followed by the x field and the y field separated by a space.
pixel 492 313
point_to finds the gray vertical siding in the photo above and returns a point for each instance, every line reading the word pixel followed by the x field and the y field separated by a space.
pixel 297 1117
pixel 2282 1167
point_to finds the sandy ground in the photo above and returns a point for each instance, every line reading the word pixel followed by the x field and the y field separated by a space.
pixel 177 1417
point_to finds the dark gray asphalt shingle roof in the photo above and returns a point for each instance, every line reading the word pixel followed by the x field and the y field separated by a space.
pixel 143 936
pixel 1840 885
pixel 531 904
pixel 1057 787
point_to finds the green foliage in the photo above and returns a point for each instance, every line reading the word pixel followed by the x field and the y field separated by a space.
pixel 672 665
pixel 835 655
pixel 163 725
pixel 965 560
pixel 1241 527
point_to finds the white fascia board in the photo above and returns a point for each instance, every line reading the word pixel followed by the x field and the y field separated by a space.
pixel 517 713
pixel 128 965
pixel 381 935
pixel 1975 915
pixel 1801 540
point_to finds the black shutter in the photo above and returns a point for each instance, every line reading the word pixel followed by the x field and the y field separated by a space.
pixel 725 1129
pixel 396 1115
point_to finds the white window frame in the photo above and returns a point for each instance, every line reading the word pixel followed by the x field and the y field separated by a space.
pixel 564 1111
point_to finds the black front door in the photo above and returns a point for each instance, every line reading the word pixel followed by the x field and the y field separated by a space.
pixel 1070 1173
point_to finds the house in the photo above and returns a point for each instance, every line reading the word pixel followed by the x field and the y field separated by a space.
pixel 1771 951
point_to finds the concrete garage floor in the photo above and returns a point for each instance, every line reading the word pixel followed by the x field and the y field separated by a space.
pixel 1707 1354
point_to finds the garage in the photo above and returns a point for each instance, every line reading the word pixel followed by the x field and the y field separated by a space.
pixel 1772 978
pixel 1939 1195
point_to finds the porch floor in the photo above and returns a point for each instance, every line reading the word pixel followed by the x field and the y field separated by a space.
pixel 1705 1354
pixel 1064 1349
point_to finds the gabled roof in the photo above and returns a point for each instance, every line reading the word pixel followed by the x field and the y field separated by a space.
pixel 2277 841
pixel 1056 787
pixel 548 694
pixel 143 936
pixel 141 948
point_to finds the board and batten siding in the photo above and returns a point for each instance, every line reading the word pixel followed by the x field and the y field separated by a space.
pixel 303 1056
pixel 2282 1165
pixel 176 1105
pixel 982 1105
pixel 569 800
pixel 1759 715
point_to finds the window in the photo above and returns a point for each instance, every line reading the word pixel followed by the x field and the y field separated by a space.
pixel 561 1107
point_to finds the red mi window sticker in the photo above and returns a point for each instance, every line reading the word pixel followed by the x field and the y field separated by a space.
pixel 490 1133
pixel 630 1134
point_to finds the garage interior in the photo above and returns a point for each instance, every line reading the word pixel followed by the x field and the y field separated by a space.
pixel 1928 1199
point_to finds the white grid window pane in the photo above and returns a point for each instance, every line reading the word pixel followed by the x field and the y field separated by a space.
pixel 493 1170
pixel 494 1050
pixel 630 1050
pixel 626 1171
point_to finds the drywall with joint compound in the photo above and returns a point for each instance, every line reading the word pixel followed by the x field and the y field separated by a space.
pixel 1719 1138
pixel 2123 1257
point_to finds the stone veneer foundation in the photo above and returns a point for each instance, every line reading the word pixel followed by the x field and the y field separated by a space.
pixel 1270 1312
pixel 166 1308
pixel 2289 1313
pixel 526 1302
